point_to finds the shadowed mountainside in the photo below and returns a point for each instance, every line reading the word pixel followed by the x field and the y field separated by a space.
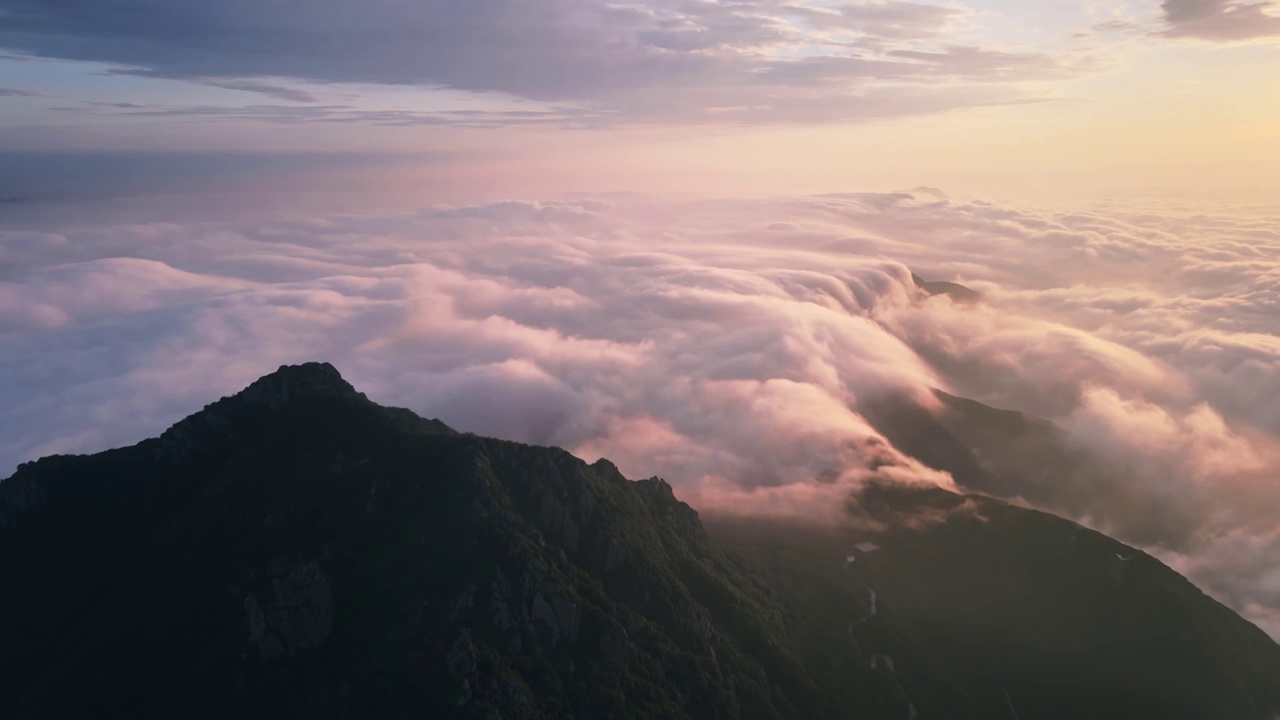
pixel 299 551
pixel 1014 456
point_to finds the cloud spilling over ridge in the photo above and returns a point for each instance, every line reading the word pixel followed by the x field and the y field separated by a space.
pixel 547 323
pixel 728 346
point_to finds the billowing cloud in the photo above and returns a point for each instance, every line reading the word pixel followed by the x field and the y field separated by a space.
pixel 1221 20
pixel 538 322
pixel 1186 477
pixel 731 347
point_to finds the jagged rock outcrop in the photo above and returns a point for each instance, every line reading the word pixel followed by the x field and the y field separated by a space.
pixel 300 617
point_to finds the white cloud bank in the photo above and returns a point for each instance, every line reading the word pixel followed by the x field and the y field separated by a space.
pixel 727 346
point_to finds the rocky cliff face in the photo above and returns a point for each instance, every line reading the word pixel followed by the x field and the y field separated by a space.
pixel 297 550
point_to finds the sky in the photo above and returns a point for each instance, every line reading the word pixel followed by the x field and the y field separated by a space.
pixel 675 233
pixel 483 100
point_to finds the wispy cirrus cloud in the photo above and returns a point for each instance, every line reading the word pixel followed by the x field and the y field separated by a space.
pixel 273 90
pixel 661 60
pixel 326 113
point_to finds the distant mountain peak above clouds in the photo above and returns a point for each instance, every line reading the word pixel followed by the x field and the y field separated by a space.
pixel 955 291
pixel 931 193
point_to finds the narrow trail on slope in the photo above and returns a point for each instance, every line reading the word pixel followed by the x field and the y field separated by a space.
pixel 872 611
pixel 1010 701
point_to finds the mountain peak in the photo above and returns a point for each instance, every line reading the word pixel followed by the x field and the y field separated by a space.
pixel 294 381
pixel 929 192
pixel 215 425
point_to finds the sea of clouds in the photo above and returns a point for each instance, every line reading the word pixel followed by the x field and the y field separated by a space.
pixel 728 346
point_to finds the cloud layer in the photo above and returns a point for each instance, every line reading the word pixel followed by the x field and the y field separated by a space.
pixel 728 346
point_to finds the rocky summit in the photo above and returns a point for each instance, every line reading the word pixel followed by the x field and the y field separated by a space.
pixel 297 550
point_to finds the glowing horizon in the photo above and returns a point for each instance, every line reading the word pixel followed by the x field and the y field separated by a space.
pixel 985 98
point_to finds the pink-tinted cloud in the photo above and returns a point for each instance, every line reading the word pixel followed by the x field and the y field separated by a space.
pixel 728 346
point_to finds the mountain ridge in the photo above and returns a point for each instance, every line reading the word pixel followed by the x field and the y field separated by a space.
pixel 297 550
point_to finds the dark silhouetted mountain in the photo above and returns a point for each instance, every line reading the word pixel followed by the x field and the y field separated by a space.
pixel 955 291
pixel 297 550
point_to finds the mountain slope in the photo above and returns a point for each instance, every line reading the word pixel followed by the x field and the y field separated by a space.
pixel 297 550
pixel 1025 614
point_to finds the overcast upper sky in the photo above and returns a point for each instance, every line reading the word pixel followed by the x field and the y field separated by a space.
pixel 748 95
